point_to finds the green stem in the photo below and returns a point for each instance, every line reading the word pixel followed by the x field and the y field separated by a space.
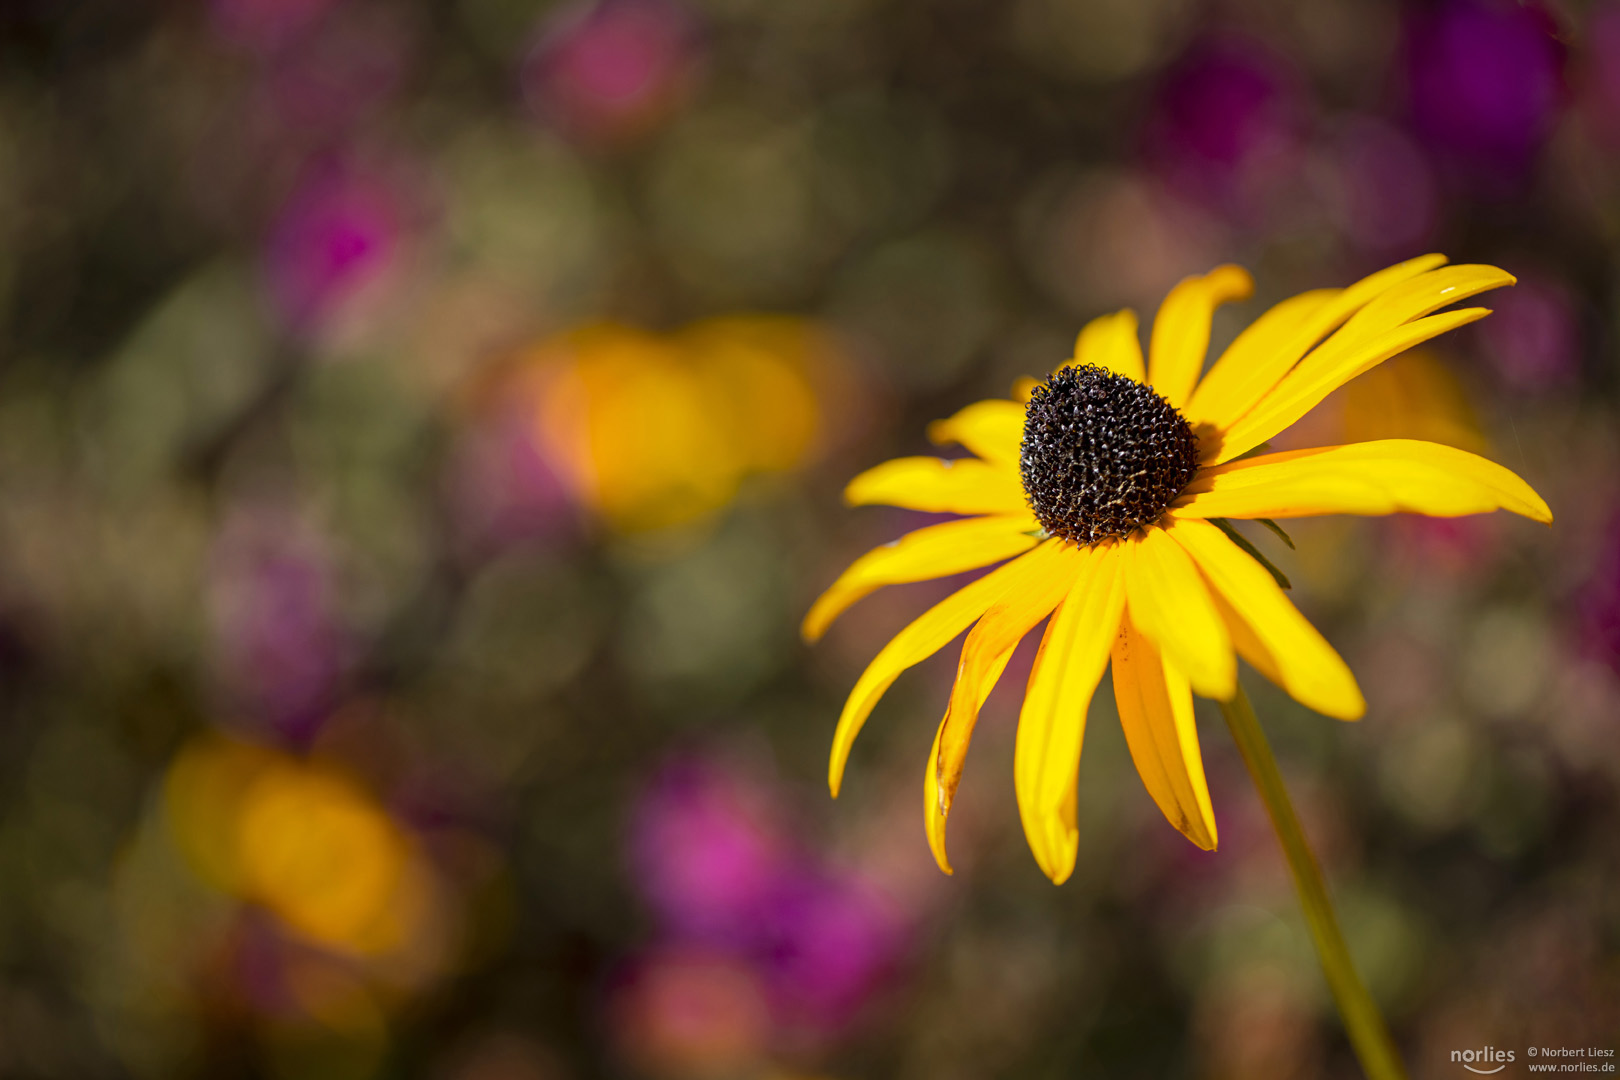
pixel 1362 1021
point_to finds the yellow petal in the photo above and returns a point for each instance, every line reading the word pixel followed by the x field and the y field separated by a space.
pixel 962 486
pixel 1304 663
pixel 934 806
pixel 1390 324
pixel 1041 580
pixel 1170 603
pixel 932 552
pixel 1181 330
pixel 933 820
pixel 1248 370
pixel 1111 342
pixel 1246 642
pixel 1390 476
pixel 1052 724
pixel 1257 358
pixel 1422 295
pixel 925 636
pixel 1156 711
pixel 994 430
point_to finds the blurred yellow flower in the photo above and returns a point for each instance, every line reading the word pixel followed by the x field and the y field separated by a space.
pixel 632 426
pixel 1107 488
pixel 759 371
pixel 327 860
pixel 305 841
pixel 656 430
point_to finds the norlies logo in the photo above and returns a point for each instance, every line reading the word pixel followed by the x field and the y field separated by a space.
pixel 1487 1055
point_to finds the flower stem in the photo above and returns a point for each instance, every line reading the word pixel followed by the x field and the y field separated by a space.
pixel 1362 1021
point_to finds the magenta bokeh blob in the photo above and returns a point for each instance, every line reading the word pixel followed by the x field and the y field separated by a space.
pixel 1486 83
pixel 610 70
pixel 1226 126
pixel 337 234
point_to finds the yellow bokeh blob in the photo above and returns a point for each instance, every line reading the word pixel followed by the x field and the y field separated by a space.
pixel 657 430
pixel 324 857
pixel 304 840
pixel 759 373
pixel 633 428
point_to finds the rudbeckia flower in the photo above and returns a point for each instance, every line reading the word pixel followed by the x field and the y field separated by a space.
pixel 1104 494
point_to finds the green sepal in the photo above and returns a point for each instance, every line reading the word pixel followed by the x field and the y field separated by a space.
pixel 1276 528
pixel 1254 553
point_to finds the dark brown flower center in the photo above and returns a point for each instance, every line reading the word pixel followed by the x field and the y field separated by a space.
pixel 1103 455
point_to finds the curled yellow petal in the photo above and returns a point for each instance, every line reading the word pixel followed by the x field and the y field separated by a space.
pixel 1391 323
pixel 932 552
pixel 994 430
pixel 1156 711
pixel 936 485
pixel 1038 585
pixel 1389 476
pixel 1052 724
pixel 935 806
pixel 933 820
pixel 1111 342
pixel 1181 330
pixel 1270 348
pixel 925 636
pixel 1170 604
pixel 1303 662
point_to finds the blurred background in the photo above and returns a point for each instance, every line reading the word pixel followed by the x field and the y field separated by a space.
pixel 422 427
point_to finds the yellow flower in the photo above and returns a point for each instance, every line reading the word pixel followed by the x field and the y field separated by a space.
pixel 1106 488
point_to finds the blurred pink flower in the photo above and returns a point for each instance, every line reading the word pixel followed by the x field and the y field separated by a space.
pixel 610 70
pixel 281 647
pixel 827 944
pixel 1486 84
pixel 1534 338
pixel 712 859
pixel 1226 126
pixel 706 849
pixel 338 233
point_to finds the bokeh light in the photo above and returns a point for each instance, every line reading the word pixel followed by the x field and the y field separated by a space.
pixel 336 237
pixel 1227 125
pixel 659 430
pixel 1486 83
pixel 608 70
